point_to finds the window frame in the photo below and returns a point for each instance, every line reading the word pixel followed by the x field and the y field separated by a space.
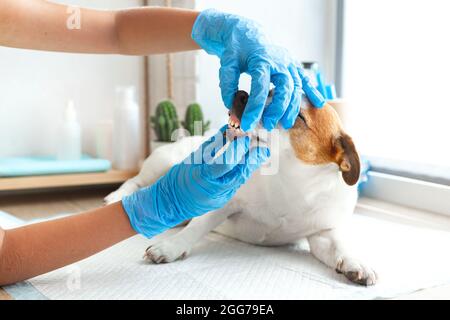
pixel 405 183
pixel 407 192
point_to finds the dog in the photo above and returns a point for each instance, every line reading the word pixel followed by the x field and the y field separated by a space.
pixel 311 196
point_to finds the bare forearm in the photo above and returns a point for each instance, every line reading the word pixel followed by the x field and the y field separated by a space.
pixel 36 249
pixel 144 31
pixel 42 25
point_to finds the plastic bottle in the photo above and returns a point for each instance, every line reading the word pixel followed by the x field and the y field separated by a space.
pixel 104 139
pixel 127 134
pixel 69 135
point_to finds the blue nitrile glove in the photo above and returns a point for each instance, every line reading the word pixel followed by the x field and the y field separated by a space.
pixel 242 47
pixel 198 185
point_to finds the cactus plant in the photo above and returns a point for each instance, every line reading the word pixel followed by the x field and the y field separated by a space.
pixel 194 115
pixel 165 122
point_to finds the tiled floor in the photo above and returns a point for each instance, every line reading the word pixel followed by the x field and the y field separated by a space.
pixel 36 206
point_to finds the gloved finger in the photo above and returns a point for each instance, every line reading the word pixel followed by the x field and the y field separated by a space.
pixel 229 75
pixel 258 96
pixel 236 151
pixel 311 92
pixel 208 150
pixel 232 157
pixel 293 110
pixel 252 162
pixel 284 88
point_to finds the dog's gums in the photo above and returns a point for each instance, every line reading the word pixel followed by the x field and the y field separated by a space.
pixel 235 115
pixel 237 111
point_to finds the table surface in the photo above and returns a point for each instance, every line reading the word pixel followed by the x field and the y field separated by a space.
pixel 37 206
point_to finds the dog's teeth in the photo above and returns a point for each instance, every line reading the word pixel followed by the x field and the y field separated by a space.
pixel 232 123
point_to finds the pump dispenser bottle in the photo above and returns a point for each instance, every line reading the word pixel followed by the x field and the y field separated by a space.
pixel 69 135
pixel 127 142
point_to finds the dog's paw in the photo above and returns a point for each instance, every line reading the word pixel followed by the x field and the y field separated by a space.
pixel 356 271
pixel 165 251
pixel 111 198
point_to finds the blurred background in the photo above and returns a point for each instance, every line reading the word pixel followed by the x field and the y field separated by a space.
pixel 36 85
pixel 387 60
pixel 74 127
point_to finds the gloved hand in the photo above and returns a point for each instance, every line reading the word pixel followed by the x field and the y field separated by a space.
pixel 242 47
pixel 200 184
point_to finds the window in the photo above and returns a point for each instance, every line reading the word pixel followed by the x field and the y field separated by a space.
pixel 396 78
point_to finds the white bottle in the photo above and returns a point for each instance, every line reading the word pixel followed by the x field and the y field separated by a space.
pixel 104 140
pixel 126 135
pixel 69 135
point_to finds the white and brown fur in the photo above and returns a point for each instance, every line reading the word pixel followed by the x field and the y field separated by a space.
pixel 310 197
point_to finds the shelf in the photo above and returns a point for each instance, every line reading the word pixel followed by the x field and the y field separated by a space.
pixel 67 180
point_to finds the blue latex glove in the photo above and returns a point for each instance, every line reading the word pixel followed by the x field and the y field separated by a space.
pixel 198 185
pixel 242 47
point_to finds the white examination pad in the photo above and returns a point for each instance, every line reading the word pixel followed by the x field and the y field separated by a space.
pixel 406 258
pixel 8 221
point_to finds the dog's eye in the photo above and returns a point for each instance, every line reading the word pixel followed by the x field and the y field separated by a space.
pixel 300 115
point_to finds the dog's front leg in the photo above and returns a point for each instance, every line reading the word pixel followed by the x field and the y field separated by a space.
pixel 330 249
pixel 180 244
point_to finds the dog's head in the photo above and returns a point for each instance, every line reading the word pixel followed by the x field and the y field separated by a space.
pixel 317 137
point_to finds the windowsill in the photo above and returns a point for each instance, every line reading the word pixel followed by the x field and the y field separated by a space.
pixel 378 209
pixel 407 192
pixel 439 174
pixel 401 214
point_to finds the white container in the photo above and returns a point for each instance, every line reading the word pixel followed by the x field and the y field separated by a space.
pixel 104 140
pixel 126 135
pixel 69 136
pixel 159 144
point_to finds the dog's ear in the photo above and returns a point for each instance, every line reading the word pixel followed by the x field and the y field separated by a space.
pixel 347 159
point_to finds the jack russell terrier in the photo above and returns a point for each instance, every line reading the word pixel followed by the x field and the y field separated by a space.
pixel 312 194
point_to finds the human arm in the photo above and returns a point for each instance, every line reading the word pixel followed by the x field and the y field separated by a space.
pixel 188 190
pixel 31 250
pixel 238 42
pixel 42 25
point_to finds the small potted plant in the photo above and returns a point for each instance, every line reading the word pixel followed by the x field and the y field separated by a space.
pixel 193 121
pixel 164 123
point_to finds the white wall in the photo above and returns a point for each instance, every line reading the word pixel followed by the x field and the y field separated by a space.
pixel 396 76
pixel 35 86
pixel 184 73
pixel 305 27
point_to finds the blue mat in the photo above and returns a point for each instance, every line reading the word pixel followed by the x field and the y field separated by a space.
pixel 24 291
pixel 37 166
